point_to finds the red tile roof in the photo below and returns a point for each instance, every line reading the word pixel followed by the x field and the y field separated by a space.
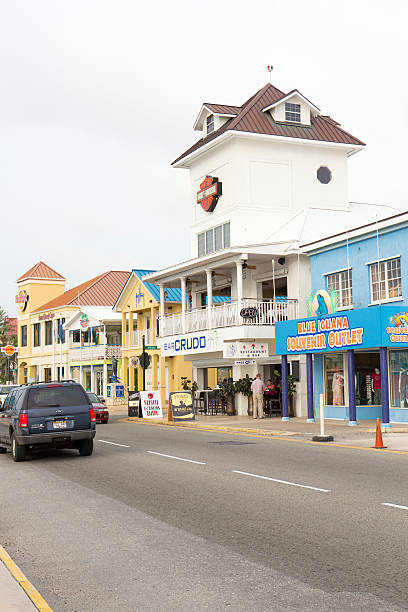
pixel 41 270
pixel 251 118
pixel 11 323
pixel 103 290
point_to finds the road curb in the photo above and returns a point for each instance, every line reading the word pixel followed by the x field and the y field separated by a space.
pixel 31 592
pixel 221 428
pixel 259 434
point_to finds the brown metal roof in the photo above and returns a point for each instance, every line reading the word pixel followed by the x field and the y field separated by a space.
pixel 223 109
pixel 252 119
pixel 103 290
pixel 41 270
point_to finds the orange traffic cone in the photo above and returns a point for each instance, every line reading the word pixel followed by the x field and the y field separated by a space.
pixel 378 436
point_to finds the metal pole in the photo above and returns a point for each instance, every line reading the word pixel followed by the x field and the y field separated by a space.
pixel 321 415
pixel 352 388
pixel 144 363
pixel 309 377
pixel 285 406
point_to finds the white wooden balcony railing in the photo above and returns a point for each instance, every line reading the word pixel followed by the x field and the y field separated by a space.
pixel 137 336
pixel 266 312
pixel 98 351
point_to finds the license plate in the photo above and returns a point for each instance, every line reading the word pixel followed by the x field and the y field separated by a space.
pixel 60 424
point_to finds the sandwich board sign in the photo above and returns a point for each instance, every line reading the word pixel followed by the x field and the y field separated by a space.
pixel 151 404
pixel 182 406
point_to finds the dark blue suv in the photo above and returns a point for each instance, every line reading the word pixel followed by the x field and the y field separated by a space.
pixel 47 415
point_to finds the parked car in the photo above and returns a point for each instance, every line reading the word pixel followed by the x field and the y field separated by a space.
pixel 101 411
pixel 47 415
pixel 4 391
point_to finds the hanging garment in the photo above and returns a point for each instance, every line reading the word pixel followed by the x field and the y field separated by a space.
pixel 337 388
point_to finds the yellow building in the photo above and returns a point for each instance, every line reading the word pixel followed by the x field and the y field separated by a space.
pixel 44 348
pixel 139 303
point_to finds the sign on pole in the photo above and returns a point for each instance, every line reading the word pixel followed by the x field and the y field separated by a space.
pixel 9 350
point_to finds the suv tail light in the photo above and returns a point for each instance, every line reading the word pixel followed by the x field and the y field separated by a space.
pixel 22 420
pixel 92 415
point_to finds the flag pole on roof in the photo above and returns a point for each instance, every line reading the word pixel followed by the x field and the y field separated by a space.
pixel 270 68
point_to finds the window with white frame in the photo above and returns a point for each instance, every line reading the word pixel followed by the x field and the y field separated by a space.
pixel 292 112
pixel 386 280
pixel 341 282
pixel 214 239
pixel 210 124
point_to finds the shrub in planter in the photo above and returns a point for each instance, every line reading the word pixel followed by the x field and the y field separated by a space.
pixel 227 392
pixel 243 385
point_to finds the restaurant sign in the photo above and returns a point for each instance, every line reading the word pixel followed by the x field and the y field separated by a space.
pixel 21 300
pixel 199 342
pixel 210 191
pixel 182 407
pixel 245 350
pixel 151 404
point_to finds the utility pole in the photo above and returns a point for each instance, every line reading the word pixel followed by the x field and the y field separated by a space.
pixel 143 366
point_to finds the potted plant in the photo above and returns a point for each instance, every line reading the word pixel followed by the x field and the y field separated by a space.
pixel 227 392
pixel 243 385
pixel 291 390
pixel 187 385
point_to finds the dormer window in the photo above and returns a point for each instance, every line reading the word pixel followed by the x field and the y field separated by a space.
pixel 210 124
pixel 292 112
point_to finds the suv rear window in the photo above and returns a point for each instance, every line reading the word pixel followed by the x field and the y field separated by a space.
pixel 44 397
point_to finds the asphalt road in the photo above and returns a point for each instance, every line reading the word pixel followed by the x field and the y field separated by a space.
pixel 135 528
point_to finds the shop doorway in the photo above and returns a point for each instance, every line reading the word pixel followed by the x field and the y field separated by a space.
pixel 368 379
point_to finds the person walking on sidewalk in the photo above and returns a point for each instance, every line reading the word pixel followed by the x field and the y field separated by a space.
pixel 258 389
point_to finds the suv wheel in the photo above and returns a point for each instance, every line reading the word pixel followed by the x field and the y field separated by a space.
pixel 86 448
pixel 18 452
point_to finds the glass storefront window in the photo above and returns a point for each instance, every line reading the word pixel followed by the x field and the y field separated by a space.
pixel 398 374
pixel 334 379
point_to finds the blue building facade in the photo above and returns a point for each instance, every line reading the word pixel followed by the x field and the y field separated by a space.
pixel 356 338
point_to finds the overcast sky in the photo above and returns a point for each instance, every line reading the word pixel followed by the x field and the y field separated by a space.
pixel 98 97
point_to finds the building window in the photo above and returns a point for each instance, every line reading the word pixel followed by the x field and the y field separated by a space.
pixel 292 112
pixel 334 379
pixel 341 283
pixel 47 373
pixel 24 335
pixel 37 334
pixel 398 373
pixel 201 244
pixel 386 280
pixel 210 124
pixel 60 331
pixel 214 239
pixel 48 332
pixel 324 175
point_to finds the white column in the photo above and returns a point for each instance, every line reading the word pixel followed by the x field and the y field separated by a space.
pixel 209 298
pixel 162 310
pixel 105 378
pixel 92 379
pixel 183 304
pixel 239 285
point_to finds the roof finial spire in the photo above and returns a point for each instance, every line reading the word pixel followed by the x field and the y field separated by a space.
pixel 270 68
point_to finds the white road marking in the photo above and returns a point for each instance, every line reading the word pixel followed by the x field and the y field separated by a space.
pixel 179 458
pixel 395 506
pixel 114 443
pixel 292 484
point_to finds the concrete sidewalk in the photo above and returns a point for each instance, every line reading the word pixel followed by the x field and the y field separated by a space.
pixel 12 596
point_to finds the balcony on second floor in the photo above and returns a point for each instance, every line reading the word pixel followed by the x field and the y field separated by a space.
pixel 136 337
pixel 94 352
pixel 230 314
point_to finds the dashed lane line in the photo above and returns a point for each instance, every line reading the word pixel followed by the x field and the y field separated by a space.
pixel 395 506
pixel 178 458
pixel 114 443
pixel 286 482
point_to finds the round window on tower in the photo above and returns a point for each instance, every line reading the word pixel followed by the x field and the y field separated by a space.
pixel 324 175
